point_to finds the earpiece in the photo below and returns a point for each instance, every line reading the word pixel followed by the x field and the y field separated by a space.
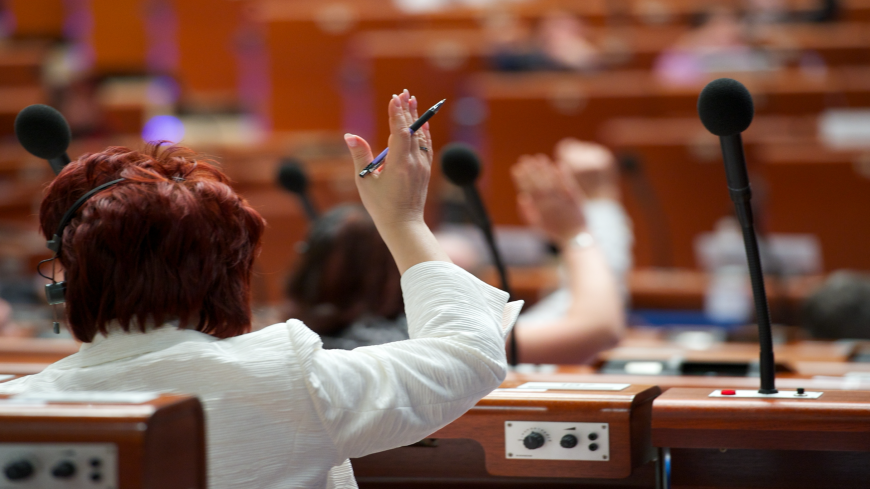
pixel 55 291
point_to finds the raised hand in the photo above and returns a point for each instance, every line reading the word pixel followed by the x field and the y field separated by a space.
pixel 592 166
pixel 395 194
pixel 549 198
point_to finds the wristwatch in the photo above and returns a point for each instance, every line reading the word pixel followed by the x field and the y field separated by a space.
pixel 582 240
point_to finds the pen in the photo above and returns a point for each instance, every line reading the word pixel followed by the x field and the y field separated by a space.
pixel 376 163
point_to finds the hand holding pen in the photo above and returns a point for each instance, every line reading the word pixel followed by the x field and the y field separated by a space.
pixel 396 193
pixel 415 126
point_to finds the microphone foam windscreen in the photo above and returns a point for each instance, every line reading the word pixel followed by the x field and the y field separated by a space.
pixel 42 131
pixel 460 164
pixel 292 177
pixel 725 107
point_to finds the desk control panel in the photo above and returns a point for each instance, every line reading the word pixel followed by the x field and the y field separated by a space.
pixel 543 440
pixel 546 426
pixel 58 465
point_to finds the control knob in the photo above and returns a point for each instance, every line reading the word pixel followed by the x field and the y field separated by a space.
pixel 568 441
pixel 533 440
pixel 64 470
pixel 18 470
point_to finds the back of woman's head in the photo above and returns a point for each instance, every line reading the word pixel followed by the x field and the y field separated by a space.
pixel 172 241
pixel 345 272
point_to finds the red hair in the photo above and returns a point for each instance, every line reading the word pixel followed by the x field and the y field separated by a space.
pixel 171 241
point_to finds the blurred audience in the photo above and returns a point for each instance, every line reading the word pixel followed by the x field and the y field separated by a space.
pixel 719 43
pixel 564 41
pixel 346 286
pixel 840 309
pixel 560 41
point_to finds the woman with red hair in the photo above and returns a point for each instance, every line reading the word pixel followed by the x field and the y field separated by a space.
pixel 158 269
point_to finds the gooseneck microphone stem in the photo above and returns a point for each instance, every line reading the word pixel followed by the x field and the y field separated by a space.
pixel 58 162
pixel 308 206
pixel 482 221
pixel 741 195
pixel 480 217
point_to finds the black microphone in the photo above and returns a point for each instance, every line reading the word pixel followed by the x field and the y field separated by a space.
pixel 44 132
pixel 726 110
pixel 461 166
pixel 293 179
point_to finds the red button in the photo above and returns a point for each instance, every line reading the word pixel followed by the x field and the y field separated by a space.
pixel 728 392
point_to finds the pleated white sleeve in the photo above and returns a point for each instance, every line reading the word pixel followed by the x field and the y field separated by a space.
pixel 379 397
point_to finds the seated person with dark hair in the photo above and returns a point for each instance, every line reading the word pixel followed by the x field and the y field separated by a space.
pixel 839 309
pixel 345 286
pixel 158 272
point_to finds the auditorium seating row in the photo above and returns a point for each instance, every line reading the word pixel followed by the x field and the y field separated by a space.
pixel 568 427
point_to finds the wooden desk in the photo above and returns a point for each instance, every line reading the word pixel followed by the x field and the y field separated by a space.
pixel 37 18
pixel 40 351
pixel 314 73
pixel 663 288
pixel 793 443
pixel 157 443
pixel 799 186
pixel 456 459
pixel 567 105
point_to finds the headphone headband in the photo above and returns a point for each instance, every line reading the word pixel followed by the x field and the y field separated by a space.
pixel 55 242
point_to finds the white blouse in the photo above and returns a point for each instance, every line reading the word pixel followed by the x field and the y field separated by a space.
pixel 282 412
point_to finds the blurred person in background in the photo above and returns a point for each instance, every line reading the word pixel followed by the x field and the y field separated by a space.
pixel 839 309
pixel 560 41
pixel 719 42
pixel 564 42
pixel 510 45
pixel 345 286
pixel 575 203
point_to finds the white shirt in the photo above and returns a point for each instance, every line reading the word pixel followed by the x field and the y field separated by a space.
pixel 282 412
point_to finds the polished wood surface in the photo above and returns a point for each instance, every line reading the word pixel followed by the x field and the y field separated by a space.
pixel 659 288
pixel 654 349
pixel 767 469
pixel 770 443
pixel 36 350
pixel 666 382
pixel 689 418
pixel 161 443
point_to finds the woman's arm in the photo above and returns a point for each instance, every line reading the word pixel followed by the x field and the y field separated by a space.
pixel 379 397
pixel 550 199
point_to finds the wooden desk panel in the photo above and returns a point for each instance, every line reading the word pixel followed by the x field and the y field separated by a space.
pixel 160 443
pixel 824 192
pixel 37 18
pixel 209 36
pixel 463 447
pixel 772 443
pixel 530 113
pixel 35 350
pixel 799 186
pixel 688 418
pixel 113 21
